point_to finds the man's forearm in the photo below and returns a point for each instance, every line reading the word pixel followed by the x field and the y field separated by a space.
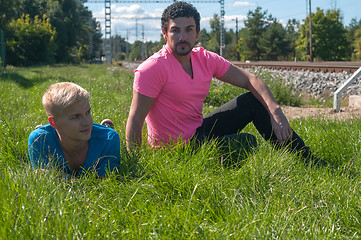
pixel 281 127
pixel 133 135
pixel 260 90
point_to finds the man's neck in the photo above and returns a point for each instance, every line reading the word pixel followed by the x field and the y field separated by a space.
pixel 71 146
pixel 75 153
pixel 183 60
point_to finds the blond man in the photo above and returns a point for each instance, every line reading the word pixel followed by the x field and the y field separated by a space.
pixel 71 141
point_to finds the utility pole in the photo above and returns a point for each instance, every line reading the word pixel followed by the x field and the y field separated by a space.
pixel 310 20
pixel 108 34
pixel 136 29
pixel 237 37
pixel 90 53
pixel 143 47
pixel 127 44
pixel 223 42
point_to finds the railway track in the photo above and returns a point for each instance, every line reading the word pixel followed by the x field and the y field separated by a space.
pixel 311 66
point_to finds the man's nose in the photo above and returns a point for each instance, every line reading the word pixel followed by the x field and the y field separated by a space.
pixel 181 35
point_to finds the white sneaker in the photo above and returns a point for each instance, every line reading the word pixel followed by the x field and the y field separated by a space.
pixel 108 123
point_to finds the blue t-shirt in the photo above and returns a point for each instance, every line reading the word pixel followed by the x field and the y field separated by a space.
pixel 103 154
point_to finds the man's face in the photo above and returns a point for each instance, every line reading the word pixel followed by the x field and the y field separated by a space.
pixel 75 123
pixel 181 35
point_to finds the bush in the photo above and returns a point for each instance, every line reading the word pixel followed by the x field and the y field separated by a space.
pixel 30 41
pixel 220 93
pixel 284 93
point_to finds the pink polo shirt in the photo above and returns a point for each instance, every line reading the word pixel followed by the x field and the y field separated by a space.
pixel 176 112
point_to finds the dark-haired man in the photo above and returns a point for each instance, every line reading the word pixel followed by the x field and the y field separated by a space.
pixel 170 87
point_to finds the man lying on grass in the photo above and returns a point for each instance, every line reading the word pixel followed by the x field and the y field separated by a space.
pixel 71 141
pixel 170 87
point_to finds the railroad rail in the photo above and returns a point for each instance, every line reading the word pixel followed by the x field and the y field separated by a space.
pixel 311 66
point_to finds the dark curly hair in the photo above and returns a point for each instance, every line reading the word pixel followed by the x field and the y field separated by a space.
pixel 180 9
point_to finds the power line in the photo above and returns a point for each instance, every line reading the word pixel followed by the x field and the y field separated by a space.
pixel 108 19
pixel 150 1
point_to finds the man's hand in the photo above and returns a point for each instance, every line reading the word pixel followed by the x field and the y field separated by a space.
pixel 281 127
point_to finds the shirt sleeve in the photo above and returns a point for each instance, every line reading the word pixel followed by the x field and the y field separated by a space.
pixel 110 159
pixel 149 78
pixel 217 64
pixel 36 149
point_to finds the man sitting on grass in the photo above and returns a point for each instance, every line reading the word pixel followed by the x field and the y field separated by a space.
pixel 170 87
pixel 71 141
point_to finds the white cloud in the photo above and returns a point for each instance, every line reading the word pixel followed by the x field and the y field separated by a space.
pixel 131 20
pixel 132 10
pixel 124 21
pixel 243 4
pixel 230 21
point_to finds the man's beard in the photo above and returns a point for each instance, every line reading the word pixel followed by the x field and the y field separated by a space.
pixel 183 50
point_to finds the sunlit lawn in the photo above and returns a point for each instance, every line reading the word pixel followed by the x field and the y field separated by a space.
pixel 177 193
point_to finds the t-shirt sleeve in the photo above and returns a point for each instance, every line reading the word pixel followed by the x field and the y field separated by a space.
pixel 36 149
pixel 149 78
pixel 111 154
pixel 217 64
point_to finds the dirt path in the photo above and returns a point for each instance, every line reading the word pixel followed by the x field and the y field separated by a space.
pixel 328 113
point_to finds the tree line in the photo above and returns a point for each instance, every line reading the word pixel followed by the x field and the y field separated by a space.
pixel 53 31
pixel 48 31
pixel 264 38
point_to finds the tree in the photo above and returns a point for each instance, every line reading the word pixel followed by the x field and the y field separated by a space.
pixel 255 25
pixel 274 43
pixel 356 55
pixel 203 38
pixel 68 19
pixel 8 11
pixel 136 51
pixel 231 45
pixel 213 43
pixel 159 45
pixel 292 35
pixel 329 40
pixel 30 41
pixel 353 36
pixel 118 45
pixel 72 22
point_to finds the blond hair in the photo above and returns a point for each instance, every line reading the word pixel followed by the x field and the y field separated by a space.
pixel 61 95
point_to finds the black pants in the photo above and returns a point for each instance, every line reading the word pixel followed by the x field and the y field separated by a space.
pixel 232 117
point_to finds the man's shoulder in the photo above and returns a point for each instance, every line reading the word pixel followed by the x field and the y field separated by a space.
pixel 202 52
pixel 158 59
pixel 41 132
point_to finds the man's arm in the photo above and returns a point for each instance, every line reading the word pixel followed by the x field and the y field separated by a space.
pixel 139 109
pixel 240 78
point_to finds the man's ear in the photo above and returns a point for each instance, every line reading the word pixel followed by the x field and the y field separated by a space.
pixel 164 33
pixel 52 121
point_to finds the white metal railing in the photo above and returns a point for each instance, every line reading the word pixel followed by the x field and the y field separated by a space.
pixel 340 90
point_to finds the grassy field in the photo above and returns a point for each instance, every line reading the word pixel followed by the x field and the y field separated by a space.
pixel 176 193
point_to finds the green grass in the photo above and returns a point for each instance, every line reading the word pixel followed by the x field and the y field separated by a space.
pixel 177 193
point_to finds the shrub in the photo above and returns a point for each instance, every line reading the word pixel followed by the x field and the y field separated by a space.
pixel 30 41
pixel 284 93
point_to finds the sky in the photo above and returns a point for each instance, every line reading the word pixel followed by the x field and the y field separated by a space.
pixel 131 19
